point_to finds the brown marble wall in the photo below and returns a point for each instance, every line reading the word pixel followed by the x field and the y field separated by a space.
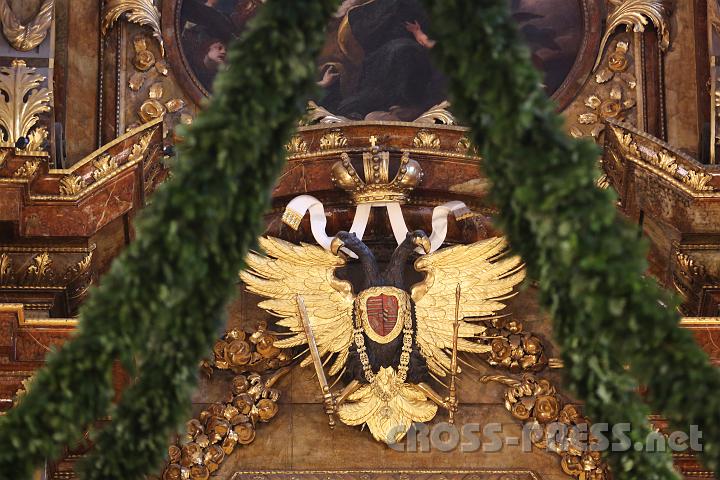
pixel 680 82
pixel 83 50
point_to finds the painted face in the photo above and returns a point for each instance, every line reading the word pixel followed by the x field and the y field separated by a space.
pixel 216 53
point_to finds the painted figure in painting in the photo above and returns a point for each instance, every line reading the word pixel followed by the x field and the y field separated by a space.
pixel 207 27
pixel 378 64
pixel 377 60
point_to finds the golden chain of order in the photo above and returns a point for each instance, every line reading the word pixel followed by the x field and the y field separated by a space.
pixel 404 355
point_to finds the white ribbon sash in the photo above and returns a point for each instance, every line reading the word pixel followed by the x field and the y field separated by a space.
pixel 300 206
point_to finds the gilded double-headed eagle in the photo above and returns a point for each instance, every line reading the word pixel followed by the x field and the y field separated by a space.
pixel 383 340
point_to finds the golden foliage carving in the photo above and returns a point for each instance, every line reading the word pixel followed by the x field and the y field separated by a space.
pixel 296 145
pixel 6 272
pixel 538 405
pixel 28 170
pixel 37 140
pixel 426 140
pixel 104 166
pixel 138 150
pixel 41 270
pixel 25 101
pixel 333 140
pixel 71 185
pixel 698 181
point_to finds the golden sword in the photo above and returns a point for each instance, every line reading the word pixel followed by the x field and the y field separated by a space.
pixel 453 360
pixel 328 399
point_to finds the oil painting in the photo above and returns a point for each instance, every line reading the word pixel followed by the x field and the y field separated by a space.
pixel 377 62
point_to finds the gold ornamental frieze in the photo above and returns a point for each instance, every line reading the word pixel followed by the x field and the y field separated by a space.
pixel 328 140
pixel 396 474
pixel 626 144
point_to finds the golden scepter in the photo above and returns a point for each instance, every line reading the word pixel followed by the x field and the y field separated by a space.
pixel 328 399
pixel 453 361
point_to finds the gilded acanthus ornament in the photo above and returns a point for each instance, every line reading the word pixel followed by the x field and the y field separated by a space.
pixel 688 267
pixel 137 153
pixel 665 161
pixel 296 145
pixel 25 101
pixel 426 140
pixel 465 146
pixel 333 140
pixel 141 12
pixel 28 169
pixel 71 185
pixel 635 15
pixel 698 181
pixel 6 270
pixel 26 37
pixel 36 140
pixel 103 166
pixel 80 268
pixel 603 182
pixel 40 272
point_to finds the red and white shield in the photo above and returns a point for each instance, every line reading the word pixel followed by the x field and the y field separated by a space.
pixel 382 313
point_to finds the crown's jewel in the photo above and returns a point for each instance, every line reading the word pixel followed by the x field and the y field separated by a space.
pixel 376 186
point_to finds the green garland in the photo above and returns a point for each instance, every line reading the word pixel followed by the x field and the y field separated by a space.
pixel 158 306
pixel 589 265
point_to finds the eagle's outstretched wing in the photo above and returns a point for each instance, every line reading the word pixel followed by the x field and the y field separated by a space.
pixel 287 270
pixel 486 277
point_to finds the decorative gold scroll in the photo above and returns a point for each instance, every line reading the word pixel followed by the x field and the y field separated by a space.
pixel 26 37
pixel 141 12
pixel 636 14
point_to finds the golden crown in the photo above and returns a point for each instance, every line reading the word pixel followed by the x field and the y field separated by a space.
pixel 376 185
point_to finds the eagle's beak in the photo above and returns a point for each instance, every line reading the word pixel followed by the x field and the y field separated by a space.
pixel 423 242
pixel 336 245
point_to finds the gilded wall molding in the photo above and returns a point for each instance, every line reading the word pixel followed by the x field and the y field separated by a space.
pixel 141 12
pixel 26 37
pixel 635 15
